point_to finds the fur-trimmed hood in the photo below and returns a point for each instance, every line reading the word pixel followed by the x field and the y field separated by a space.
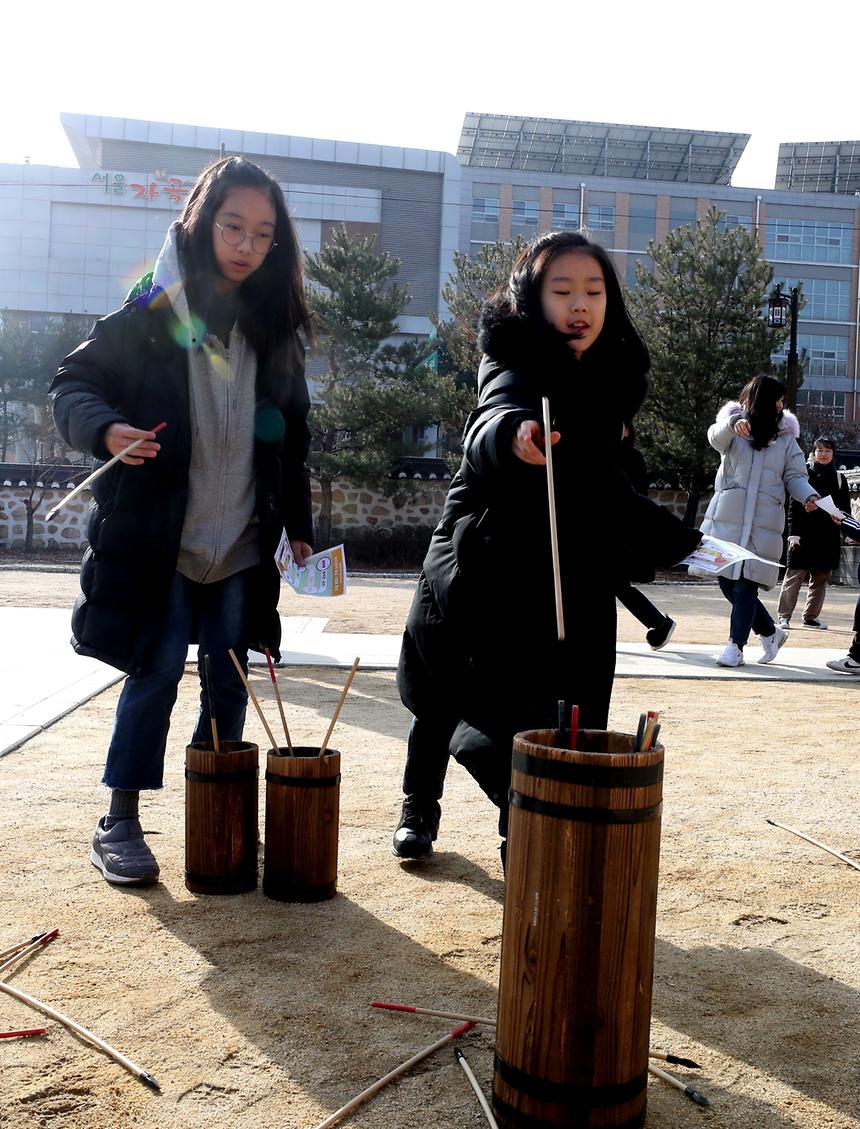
pixel 516 342
pixel 789 422
pixel 535 348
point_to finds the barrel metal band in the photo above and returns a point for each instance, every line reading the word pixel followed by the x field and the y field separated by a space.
pixel 241 878
pixel 585 814
pixel 570 1093
pixel 220 777
pixel 570 1120
pixel 587 775
pixel 303 781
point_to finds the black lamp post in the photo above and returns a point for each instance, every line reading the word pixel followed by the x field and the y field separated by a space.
pixel 780 308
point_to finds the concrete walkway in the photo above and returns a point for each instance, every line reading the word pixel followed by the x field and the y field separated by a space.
pixel 42 679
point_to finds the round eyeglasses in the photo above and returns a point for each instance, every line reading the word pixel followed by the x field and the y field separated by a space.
pixel 233 236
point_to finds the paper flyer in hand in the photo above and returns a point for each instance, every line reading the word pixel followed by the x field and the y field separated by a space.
pixel 829 506
pixel 714 555
pixel 323 574
pixel 850 526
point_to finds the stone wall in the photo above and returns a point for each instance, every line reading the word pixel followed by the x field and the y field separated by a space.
pixel 353 507
pixel 66 531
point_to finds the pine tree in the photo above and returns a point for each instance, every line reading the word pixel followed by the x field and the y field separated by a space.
pixel 465 292
pixel 701 315
pixel 370 393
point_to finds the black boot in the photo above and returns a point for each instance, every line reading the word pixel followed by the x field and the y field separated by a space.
pixel 417 829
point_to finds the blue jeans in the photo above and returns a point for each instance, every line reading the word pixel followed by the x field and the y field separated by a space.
pixel 135 756
pixel 748 612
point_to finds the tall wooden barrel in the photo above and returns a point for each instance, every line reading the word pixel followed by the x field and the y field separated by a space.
pixel 577 954
pixel 302 816
pixel 221 830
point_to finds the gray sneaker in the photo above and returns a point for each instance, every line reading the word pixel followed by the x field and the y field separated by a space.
pixel 845 666
pixel 121 854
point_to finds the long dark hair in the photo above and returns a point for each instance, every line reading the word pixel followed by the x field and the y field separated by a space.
pixel 759 397
pixel 619 336
pixel 271 301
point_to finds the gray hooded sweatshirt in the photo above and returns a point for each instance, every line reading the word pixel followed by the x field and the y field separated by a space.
pixel 219 534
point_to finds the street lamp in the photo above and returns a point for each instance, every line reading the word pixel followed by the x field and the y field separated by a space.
pixel 782 310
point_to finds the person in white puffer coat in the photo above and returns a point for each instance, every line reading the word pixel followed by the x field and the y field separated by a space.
pixel 760 460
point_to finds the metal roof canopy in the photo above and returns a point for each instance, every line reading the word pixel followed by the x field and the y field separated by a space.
pixel 819 166
pixel 599 149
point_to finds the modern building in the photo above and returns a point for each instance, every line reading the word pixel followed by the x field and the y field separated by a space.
pixel 73 240
pixel 631 184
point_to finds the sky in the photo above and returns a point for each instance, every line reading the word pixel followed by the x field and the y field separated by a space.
pixel 395 73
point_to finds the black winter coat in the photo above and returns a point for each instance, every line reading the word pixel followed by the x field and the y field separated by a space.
pixel 820 545
pixel 131 370
pixel 480 644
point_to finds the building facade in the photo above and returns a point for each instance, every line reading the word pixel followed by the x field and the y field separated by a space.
pixel 629 185
pixel 73 240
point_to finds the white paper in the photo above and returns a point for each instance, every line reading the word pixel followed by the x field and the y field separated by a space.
pixel 829 506
pixel 714 555
pixel 323 574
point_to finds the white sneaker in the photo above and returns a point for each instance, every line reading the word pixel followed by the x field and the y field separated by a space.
pixel 733 655
pixel 770 645
pixel 844 666
pixel 783 623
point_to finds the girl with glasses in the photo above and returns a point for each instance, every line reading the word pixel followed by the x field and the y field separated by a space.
pixel 182 532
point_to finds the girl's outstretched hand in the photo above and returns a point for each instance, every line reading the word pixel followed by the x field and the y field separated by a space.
pixel 301 551
pixel 528 442
pixel 119 436
pixel 809 505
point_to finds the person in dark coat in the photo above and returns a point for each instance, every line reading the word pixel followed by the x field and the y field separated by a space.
pixel 814 540
pixel 182 533
pixel 661 627
pixel 480 658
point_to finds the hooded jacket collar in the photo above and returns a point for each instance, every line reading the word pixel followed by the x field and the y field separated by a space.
pixel 788 424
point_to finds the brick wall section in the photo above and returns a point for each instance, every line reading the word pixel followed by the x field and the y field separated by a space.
pixel 353 506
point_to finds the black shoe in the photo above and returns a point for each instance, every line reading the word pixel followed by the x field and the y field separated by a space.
pixel 503 852
pixel 658 637
pixel 418 827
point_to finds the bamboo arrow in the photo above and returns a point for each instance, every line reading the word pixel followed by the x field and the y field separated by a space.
pixel 487 1022
pixel 692 1094
pixel 52 1013
pixel 553 522
pixel 99 471
pixel 815 842
pixel 473 1082
pixel 339 705
pixel 361 1098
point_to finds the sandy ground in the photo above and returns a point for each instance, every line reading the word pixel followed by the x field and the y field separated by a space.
pixel 254 1013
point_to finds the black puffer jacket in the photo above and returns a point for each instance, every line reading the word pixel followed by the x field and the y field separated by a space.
pixel 820 545
pixel 480 644
pixel 132 370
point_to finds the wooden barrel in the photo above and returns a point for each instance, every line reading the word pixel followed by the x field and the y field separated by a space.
pixel 577 953
pixel 302 815
pixel 221 831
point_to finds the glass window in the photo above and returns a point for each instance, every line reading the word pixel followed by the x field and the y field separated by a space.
pixel 826 354
pixel 525 213
pixel 831 402
pixel 601 217
pixel 565 216
pixel 808 241
pixel 826 299
pixel 731 223
pixel 485 210
pixel 682 212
